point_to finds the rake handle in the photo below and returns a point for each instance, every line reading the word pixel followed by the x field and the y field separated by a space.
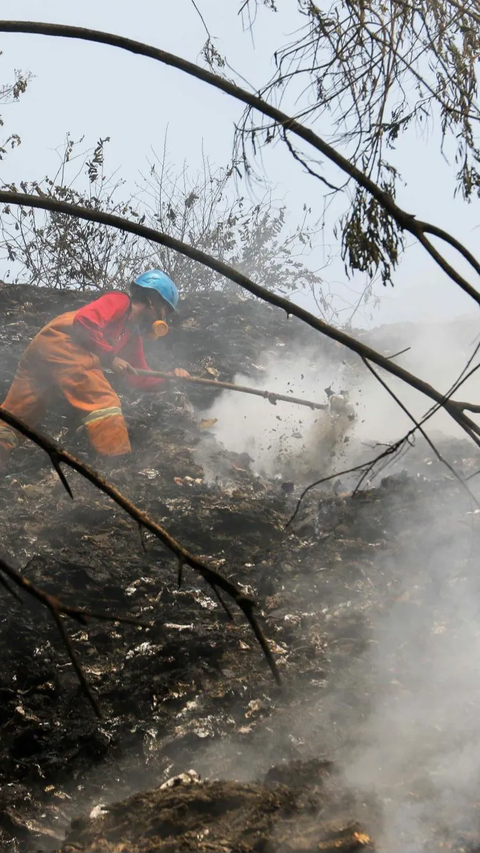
pixel 214 383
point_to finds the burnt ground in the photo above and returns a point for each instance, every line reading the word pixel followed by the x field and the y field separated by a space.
pixel 360 600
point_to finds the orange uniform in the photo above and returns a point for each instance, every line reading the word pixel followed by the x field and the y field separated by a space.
pixel 69 353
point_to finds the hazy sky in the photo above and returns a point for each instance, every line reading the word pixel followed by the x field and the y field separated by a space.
pixel 99 91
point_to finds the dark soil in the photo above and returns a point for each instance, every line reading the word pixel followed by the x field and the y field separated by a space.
pixel 225 816
pixel 193 690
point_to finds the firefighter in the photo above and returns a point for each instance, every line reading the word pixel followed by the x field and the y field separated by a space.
pixel 71 352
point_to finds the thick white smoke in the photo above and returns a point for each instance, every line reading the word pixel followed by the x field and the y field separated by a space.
pixel 298 443
pixel 286 440
pixel 419 750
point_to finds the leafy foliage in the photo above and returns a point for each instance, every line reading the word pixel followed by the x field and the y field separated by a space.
pixel 370 241
pixel 10 93
pixel 369 71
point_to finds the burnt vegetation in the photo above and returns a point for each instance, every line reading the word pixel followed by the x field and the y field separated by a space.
pixel 316 564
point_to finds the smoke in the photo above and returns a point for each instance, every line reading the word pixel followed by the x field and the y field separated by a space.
pixel 299 444
pixel 283 440
pixel 419 750
pixel 414 743
pixel 437 354
pixel 401 719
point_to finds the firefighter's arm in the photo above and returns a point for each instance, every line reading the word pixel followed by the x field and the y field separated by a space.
pixel 134 354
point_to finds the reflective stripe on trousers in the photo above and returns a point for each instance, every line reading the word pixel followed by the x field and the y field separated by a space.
pixel 54 360
pixel 100 414
pixel 107 431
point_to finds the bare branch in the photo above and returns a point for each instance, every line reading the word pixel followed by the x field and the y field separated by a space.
pixel 465 10
pixel 57 607
pixel 391 450
pixel 212 577
pixel 405 221
pixel 366 467
pixel 454 409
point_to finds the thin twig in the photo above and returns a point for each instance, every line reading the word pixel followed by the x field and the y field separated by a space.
pixel 296 156
pixel 199 13
pixel 10 589
pixel 367 467
pixel 75 662
pixel 223 603
pixel 396 354
pixel 392 448
pixel 425 435
pixel 142 539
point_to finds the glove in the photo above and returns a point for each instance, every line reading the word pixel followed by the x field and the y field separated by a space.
pixel 119 365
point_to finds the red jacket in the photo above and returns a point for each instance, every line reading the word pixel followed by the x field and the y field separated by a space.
pixel 101 327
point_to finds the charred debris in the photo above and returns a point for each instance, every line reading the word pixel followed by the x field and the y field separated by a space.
pixel 198 749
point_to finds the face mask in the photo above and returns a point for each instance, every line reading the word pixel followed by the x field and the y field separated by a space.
pixel 159 329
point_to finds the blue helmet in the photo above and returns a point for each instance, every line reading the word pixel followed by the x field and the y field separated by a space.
pixel 160 281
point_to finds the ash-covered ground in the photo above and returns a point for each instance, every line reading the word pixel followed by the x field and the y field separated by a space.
pixel 370 601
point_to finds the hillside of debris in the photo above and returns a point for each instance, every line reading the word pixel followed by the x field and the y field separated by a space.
pixel 362 598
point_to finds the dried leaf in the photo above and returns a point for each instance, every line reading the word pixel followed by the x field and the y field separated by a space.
pixel 276 649
pixel 62 795
pixel 206 423
pixel 362 837
pixel 191 777
pixel 254 706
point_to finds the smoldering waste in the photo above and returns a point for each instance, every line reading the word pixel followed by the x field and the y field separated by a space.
pixel 370 604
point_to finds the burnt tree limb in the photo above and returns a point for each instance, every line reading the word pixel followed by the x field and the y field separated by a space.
pixel 59 456
pixel 454 408
pixel 58 608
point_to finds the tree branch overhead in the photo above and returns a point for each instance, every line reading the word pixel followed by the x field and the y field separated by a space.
pixel 383 197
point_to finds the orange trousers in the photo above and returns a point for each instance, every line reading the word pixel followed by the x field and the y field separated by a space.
pixel 54 361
